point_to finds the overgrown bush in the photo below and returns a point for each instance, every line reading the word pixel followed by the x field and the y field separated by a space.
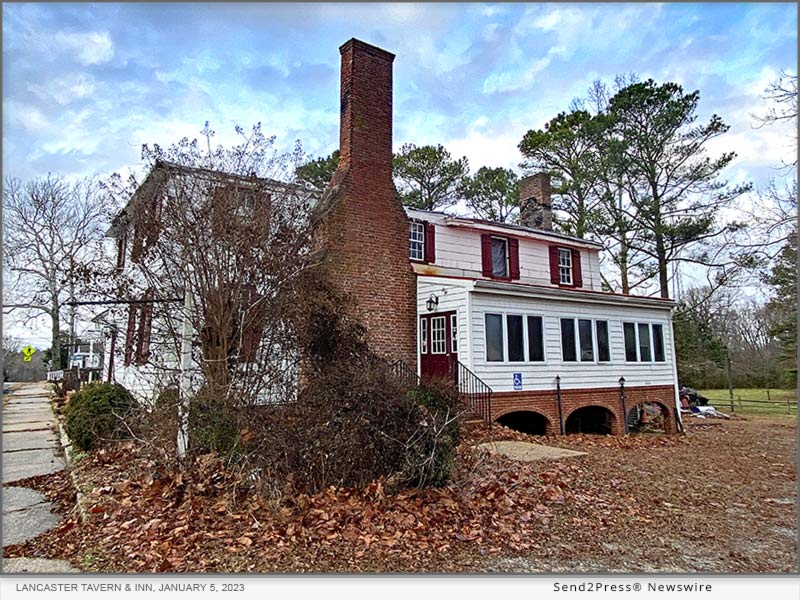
pixel 96 413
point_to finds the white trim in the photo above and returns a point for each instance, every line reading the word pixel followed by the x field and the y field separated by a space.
pixel 650 325
pixel 454 328
pixel 568 267
pixel 525 346
pixel 412 224
pixel 445 333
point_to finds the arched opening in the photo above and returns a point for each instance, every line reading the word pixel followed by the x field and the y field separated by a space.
pixel 648 417
pixel 525 421
pixel 590 419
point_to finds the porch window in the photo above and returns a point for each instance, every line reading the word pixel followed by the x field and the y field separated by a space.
pixel 454 333
pixel 423 336
pixel 629 329
pixel 535 339
pixel 603 347
pixel 438 333
pixel 645 349
pixel 568 353
pixel 586 342
pixel 499 257
pixel 658 343
pixel 516 349
pixel 494 338
pixel 416 240
pixel 565 266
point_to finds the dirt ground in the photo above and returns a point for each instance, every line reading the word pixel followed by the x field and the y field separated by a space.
pixel 721 498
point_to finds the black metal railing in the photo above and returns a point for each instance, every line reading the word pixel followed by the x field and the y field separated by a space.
pixel 403 372
pixel 472 390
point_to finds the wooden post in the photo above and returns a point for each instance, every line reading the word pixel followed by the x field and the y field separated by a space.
pixel 730 380
pixel 185 380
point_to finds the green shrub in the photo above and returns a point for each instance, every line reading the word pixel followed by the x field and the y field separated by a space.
pixel 96 413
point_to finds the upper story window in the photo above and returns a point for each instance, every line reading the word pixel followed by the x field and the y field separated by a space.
pixel 421 241
pixel 416 240
pixel 564 266
pixel 499 257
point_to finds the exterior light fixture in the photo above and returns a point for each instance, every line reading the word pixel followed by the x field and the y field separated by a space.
pixel 622 381
pixel 432 303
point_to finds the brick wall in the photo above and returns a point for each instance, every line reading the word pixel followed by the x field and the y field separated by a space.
pixel 365 229
pixel 546 403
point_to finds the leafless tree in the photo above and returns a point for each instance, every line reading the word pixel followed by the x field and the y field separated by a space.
pixel 53 248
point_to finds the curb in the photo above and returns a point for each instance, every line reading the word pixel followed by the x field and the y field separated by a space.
pixel 65 445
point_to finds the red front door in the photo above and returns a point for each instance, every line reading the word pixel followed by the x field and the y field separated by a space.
pixel 438 343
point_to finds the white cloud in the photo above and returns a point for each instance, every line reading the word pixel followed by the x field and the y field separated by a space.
pixel 89 48
pixel 26 116
pixel 63 90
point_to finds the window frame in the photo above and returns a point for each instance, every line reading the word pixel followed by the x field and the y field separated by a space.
pixel 505 337
pixel 421 241
pixel 506 245
pixel 423 335
pixel 569 268
pixel 577 341
pixel 433 340
pixel 507 348
pixel 650 325
pixel 454 333
pixel 608 341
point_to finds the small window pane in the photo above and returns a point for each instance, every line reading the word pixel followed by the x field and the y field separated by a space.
pixel 535 339
pixel 438 332
pixel 658 342
pixel 423 335
pixel 603 348
pixel 516 349
pixel 644 342
pixel 568 340
pixel 565 266
pixel 454 334
pixel 630 342
pixel 494 338
pixel 499 257
pixel 416 240
pixel 585 335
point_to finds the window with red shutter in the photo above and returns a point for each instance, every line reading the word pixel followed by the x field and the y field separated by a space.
pixel 145 329
pixel 430 243
pixel 577 276
pixel 554 276
pixel 130 334
pixel 513 258
pixel 486 254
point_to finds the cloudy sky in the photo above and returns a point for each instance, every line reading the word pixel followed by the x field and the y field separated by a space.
pixel 84 86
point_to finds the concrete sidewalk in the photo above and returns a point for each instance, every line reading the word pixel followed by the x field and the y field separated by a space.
pixel 30 447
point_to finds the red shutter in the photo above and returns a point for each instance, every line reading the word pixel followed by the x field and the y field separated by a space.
pixel 554 278
pixel 486 254
pixel 145 328
pixel 430 243
pixel 577 277
pixel 513 257
pixel 254 328
pixel 130 333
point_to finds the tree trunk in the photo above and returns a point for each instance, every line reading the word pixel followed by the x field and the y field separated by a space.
pixel 55 344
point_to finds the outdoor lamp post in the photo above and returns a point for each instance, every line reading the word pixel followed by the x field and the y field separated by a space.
pixel 624 407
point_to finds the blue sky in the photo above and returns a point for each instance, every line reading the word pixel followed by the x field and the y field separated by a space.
pixel 84 86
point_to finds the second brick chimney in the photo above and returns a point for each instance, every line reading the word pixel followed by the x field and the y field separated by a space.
pixel 535 205
pixel 364 228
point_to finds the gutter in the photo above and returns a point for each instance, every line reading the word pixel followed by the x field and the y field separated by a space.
pixel 531 291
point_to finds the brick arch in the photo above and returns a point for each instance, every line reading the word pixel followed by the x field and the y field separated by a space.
pixel 670 424
pixel 617 426
pixel 551 424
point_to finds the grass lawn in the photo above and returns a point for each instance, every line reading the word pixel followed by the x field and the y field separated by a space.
pixel 721 399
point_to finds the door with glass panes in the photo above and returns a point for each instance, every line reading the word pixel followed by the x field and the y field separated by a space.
pixel 438 339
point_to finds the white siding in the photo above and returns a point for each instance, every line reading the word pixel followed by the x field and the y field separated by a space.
pixel 452 296
pixel 539 376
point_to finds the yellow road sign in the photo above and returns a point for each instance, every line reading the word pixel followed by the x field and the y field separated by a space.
pixel 27 353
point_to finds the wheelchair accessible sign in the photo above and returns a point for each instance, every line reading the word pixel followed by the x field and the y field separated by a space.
pixel 517 382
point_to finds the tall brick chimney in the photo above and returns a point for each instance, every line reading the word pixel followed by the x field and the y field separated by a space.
pixel 535 204
pixel 364 227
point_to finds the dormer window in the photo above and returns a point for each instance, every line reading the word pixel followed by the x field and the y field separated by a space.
pixel 421 241
pixel 564 266
pixel 499 257
pixel 416 240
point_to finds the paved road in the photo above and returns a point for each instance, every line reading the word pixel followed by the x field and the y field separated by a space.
pixel 30 447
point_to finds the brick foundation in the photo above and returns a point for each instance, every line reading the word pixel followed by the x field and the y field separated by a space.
pixel 545 403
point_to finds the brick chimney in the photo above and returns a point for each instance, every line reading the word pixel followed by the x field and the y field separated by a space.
pixel 364 228
pixel 535 205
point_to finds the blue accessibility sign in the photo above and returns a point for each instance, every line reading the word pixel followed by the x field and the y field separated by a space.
pixel 517 381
